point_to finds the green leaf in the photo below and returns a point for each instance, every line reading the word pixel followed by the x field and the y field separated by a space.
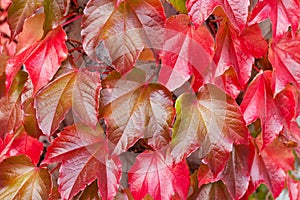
pixel 179 5
pixel 20 179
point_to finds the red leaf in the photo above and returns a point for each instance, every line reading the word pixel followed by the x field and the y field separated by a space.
pixel 20 143
pixel 125 29
pixel 20 179
pixel 269 166
pixel 258 102
pixel 83 152
pixel 185 50
pixel 215 190
pixel 238 49
pixel 294 188
pixel 41 59
pixel 157 175
pixel 237 11
pixel 133 110
pixel 229 82
pixel 236 175
pixel 285 59
pixel 205 175
pixel 212 121
pixel 283 13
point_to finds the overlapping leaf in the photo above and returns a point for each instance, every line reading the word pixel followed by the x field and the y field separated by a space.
pixel 215 190
pixel 19 11
pixel 133 110
pixel 77 90
pixel 274 113
pixel 285 59
pixel 41 60
pixel 237 11
pixel 125 29
pixel 187 51
pixel 20 179
pixel 155 174
pixel 236 175
pixel 283 13
pixel 212 121
pixel 10 106
pixel 53 102
pixel 238 49
pixel 270 166
pixel 83 154
pixel 20 143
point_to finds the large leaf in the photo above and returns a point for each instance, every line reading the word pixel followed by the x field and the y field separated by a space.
pixel 237 11
pixel 10 105
pixel 20 179
pixel 21 143
pixel 236 175
pixel 285 59
pixel 78 90
pixel 270 166
pixel 41 59
pixel 157 175
pixel 274 113
pixel 238 49
pixel 19 11
pixel 283 13
pixel 133 110
pixel 215 190
pixel 125 29
pixel 212 121
pixel 53 102
pixel 83 154
pixel 186 51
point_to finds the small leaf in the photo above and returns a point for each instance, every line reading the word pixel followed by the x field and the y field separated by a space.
pixel 19 11
pixel 41 60
pixel 125 27
pixel 212 121
pixel 157 175
pixel 54 10
pixel 83 154
pixel 283 13
pixel 20 179
pixel 90 192
pixel 133 110
pixel 237 12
